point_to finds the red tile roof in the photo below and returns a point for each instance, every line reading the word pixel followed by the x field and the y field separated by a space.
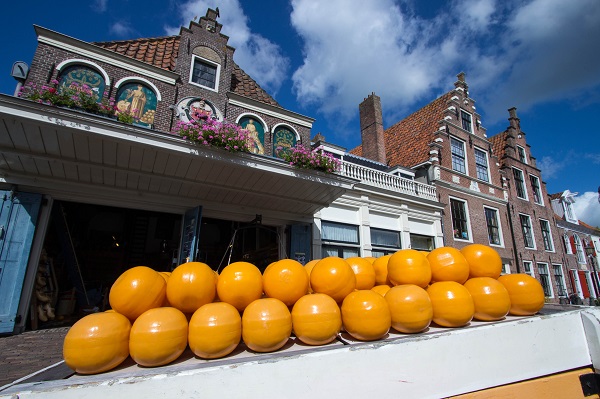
pixel 161 52
pixel 407 142
pixel 498 144
pixel 244 85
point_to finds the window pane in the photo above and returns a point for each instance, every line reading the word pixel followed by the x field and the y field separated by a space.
pixel 521 153
pixel 545 279
pixel 459 219
pixel 204 74
pixel 330 251
pixel 385 238
pixel 481 165
pixel 519 183
pixel 560 283
pixel 527 268
pixel 527 233
pixel 466 121
pixel 339 232
pixel 545 227
pixel 491 217
pixel 421 243
pixel 458 155
pixel 535 186
pixel 349 252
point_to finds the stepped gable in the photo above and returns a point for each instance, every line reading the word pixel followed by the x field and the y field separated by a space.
pixel 160 52
pixel 244 85
pixel 498 144
pixel 407 142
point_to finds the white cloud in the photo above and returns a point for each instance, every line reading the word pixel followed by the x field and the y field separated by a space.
pixel 349 54
pixel 546 47
pixel 122 29
pixel 539 50
pixel 587 208
pixel 551 167
pixel 262 59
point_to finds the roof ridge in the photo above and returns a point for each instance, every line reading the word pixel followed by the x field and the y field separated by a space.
pixel 141 39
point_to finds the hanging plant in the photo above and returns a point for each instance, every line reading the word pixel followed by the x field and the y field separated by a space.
pixel 304 158
pixel 210 132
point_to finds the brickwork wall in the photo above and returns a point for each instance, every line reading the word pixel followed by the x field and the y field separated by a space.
pixel 477 222
pixel 200 36
pixel 541 210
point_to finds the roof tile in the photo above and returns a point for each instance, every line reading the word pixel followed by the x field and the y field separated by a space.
pixel 407 142
pixel 145 50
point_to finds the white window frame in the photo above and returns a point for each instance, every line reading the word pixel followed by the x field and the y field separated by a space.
pixel 530 227
pixel 464 149
pixel 569 213
pixel 526 198
pixel 560 278
pixel 505 268
pixel 386 250
pixel 426 237
pixel 539 187
pixel 579 249
pixel 340 244
pixel 567 242
pixel 552 246
pixel 531 272
pixel 206 61
pixel 524 160
pixel 461 120
pixel 548 275
pixel 487 164
pixel 468 219
pixel 500 235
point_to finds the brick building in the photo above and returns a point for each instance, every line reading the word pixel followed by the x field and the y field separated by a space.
pixel 445 144
pixel 536 238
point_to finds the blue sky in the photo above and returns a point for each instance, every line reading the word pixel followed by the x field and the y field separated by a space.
pixel 322 58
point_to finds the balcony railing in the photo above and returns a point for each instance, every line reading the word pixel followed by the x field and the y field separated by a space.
pixel 388 181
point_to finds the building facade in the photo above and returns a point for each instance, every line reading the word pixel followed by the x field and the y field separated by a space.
pixel 537 244
pixel 581 245
pixel 445 144
pixel 85 196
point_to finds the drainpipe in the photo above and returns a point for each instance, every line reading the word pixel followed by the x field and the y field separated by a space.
pixel 512 235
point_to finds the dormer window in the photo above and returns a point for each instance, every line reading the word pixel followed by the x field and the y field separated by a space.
pixel 569 211
pixel 467 121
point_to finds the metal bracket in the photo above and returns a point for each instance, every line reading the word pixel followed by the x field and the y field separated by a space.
pixel 590 384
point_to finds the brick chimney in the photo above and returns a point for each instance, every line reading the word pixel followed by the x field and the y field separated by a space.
pixel 371 128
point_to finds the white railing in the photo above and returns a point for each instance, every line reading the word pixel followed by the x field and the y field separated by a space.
pixel 388 181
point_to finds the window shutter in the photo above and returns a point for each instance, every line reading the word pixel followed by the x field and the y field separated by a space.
pixel 573 246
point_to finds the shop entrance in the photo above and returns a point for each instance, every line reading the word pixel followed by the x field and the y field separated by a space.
pixel 88 246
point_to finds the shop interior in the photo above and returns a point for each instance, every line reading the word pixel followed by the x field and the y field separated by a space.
pixel 88 246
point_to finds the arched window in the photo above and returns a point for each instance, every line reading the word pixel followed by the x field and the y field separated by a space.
pixel 284 138
pixel 84 76
pixel 256 134
pixel 138 99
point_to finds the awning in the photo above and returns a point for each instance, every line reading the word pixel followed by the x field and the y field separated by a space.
pixel 87 158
